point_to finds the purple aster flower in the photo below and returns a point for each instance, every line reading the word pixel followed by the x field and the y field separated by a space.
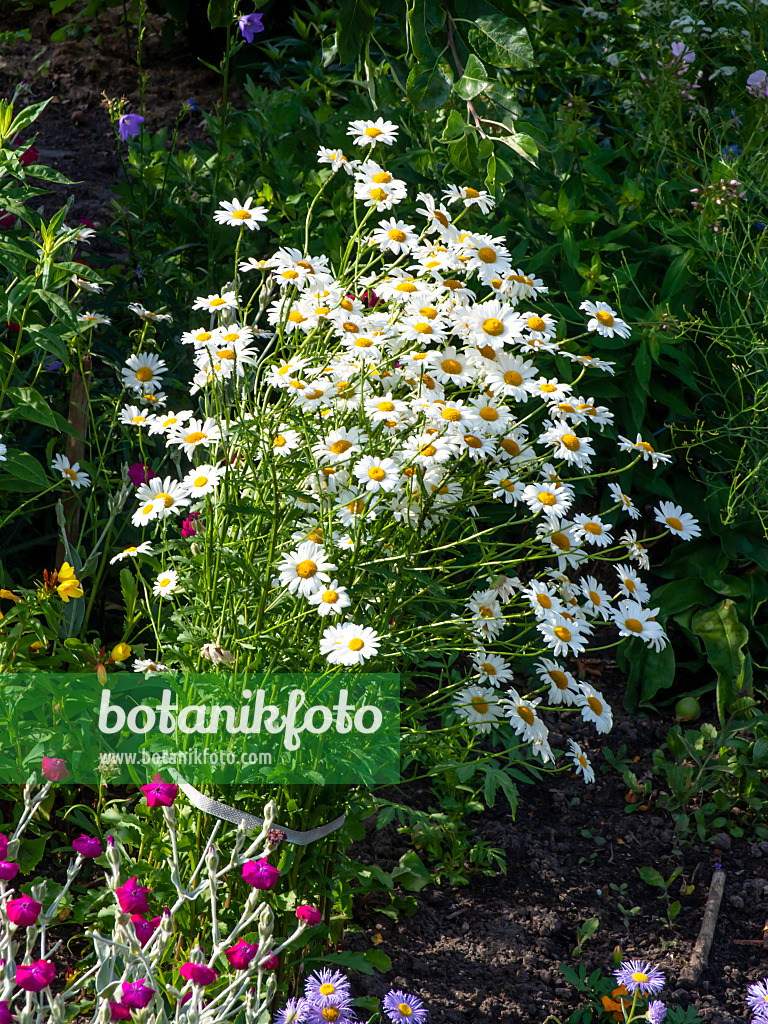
pixel 294 1012
pixel 403 1008
pixel 250 25
pixel 326 986
pixel 640 976
pixel 87 846
pixel 757 997
pixel 260 874
pixel 657 1011
pixel 129 124
pixel 136 995
pixel 339 1012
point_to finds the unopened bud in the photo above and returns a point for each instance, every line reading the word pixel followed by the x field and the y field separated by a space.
pixel 101 674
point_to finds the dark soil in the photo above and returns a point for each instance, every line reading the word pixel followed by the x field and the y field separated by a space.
pixel 489 951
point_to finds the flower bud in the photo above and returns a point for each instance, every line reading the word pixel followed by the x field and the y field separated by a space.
pixel 121 652
pixel 266 925
pixel 101 674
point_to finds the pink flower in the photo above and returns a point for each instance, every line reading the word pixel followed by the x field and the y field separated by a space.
pixel 118 1012
pixel 260 874
pixel 308 914
pixel 36 976
pixel 3 846
pixel 6 1017
pixel 241 954
pixel 136 995
pixel 87 846
pixel 272 964
pixel 8 871
pixel 140 473
pixel 188 526
pixel 24 911
pixel 132 897
pixel 198 974
pixel 144 929
pixel 54 769
pixel 160 793
pixel 29 156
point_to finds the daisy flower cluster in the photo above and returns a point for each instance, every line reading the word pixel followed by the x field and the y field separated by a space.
pixel 328 997
pixel 343 426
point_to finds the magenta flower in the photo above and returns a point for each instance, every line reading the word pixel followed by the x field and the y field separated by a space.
pixel 54 769
pixel 132 897
pixel 160 793
pixel 129 124
pixel 24 911
pixel 272 964
pixel 136 995
pixel 8 871
pixel 308 914
pixel 198 974
pixel 188 525
pixel 241 954
pixel 260 874
pixel 36 976
pixel 140 473
pixel 87 846
pixel 6 1017
pixel 250 25
pixel 118 1012
pixel 144 928
pixel 3 846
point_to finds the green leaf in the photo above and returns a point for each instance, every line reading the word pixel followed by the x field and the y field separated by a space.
pixel 678 595
pixel 219 13
pixel 652 877
pixel 455 127
pixel 674 910
pixel 59 307
pixel 724 638
pixel 27 473
pixel 425 18
pixel 464 155
pixel 677 276
pixel 353 28
pixel 26 117
pixel 522 144
pixel 31 853
pixel 429 84
pixel 473 81
pixel 30 405
pixel 412 874
pixel 501 42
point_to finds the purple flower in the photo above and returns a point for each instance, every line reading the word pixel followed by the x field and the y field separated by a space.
pixel 198 974
pixel 260 874
pixel 657 1011
pixel 757 997
pixel 403 1008
pixel 188 526
pixel 241 954
pixel 6 1017
pixel 140 473
pixel 306 913
pixel 54 769
pixel 36 976
pixel 129 124
pixel 3 846
pixel 24 911
pixel 640 976
pixel 326 986
pixel 87 846
pixel 682 54
pixel 250 25
pixel 294 1012
pixel 136 995
pixel 160 793
pixel 132 897
pixel 8 871
pixel 143 928
pixel 757 84
pixel 118 1012
pixel 340 1013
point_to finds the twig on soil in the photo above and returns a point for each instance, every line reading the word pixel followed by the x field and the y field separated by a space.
pixel 700 955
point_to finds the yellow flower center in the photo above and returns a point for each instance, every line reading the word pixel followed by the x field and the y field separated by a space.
pixel 330 1013
pixel 279 441
pixel 645 446
pixel 594 597
pixel 423 328
pixel 330 597
pixel 405 1009
pixel 372 133
pixel 489 414
pixel 452 284
pixel 167 498
pixel 195 436
pixel 560 540
pixel 548 389
pixel 547 498
pixel 452 415
pixel 471 193
pixel 559 679
pixel 595 705
pixel 339 447
pixel 70 473
pixel 640 977
pixel 405 286
pixel 472 442
pixel 356 507
pixel 385 406
pixel 428 312
pixel 147 508
pixel 526 714
pixel 241 215
pixel 200 481
pixel 442 219
pixel 376 473
pixel 510 446
pixel 217 302
pixel 488 667
pixel 486 254
pixel 630 585
pixel 451 366
pixel 378 194
pixel 594 528
pixel 674 523
pixel 357 644
pixel 306 569
pixel 203 336
pixel 562 633
pixel 635 625
pixel 537 324
pixel 144 374
pixel 327 989
pixel 544 601
pixel 226 353
pixel 363 343
pixel 351 327
pixel 512 377
pixel 493 326
pixel 396 235
pixel 571 442
pixel 604 318
pixel 428 449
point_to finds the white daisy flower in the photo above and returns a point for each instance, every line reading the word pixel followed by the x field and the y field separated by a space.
pixel 594 708
pixel 393 235
pixel 592 530
pixel 476 446
pixel 203 480
pixel 194 434
pixel 598 598
pixel 338 446
pixel 631 585
pixel 478 706
pixel 426 449
pixel 491 667
pixel 438 216
pixel 624 501
pixel 133 551
pixel 336 159
pixel 563 634
pixel 543 599
pixel 574 449
pixel 548 499
pixel 488 257
pixel 494 417
pixel 522 716
pixel 148 511
pixel 581 762
pixel 148 315
pixel 492 323
pixel 681 524
pixel 330 600
pixel 305 570
pixel 563 688
pixel 488 619
pixel 173 494
pixel 635 550
pixel 143 372
pixel 285 441
pixel 563 541
pixel 645 448
pixel 162 423
pixel 149 668
pixel 166 583
pixel 240 215
pixel 377 474
pixel 349 644
pixel 540 325
pixel 381 197
pixel 633 620
pixel 373 133
pixel 604 320
pixel 524 286
pixel 511 377
pixel 92 319
pixel 505 485
pixel 71 471
pixel 469 196
pixel 216 303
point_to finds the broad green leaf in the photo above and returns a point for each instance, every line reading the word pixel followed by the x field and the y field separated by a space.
pixel 412 874
pixel 26 117
pixel 464 155
pixel 425 18
pixel 429 84
pixel 473 81
pixel 677 276
pixel 724 638
pixel 60 308
pixel 27 473
pixel 30 405
pixel 353 28
pixel 455 126
pixel 503 99
pixel 523 145
pixel 220 13
pixel 652 877
pixel 681 594
pixel 501 42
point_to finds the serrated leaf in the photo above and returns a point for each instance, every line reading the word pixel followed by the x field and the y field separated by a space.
pixel 429 84
pixel 473 81
pixel 499 41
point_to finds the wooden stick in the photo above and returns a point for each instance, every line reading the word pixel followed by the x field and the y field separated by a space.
pixel 700 955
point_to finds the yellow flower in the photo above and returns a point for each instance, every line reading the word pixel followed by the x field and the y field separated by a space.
pixel 68 586
pixel 121 652
pixel 7 594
